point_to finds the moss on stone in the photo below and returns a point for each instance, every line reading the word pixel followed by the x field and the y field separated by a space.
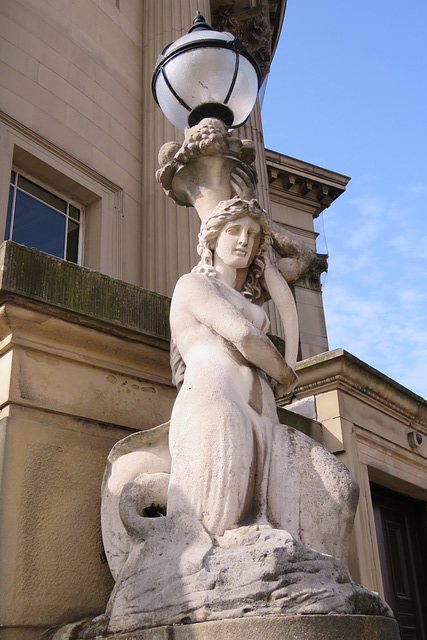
pixel 297 421
pixel 43 278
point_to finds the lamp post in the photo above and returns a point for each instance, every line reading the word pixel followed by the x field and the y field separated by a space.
pixel 206 84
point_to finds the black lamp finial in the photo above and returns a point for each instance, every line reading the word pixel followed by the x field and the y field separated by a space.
pixel 199 23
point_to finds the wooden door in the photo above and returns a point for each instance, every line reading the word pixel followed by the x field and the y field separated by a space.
pixel 401 530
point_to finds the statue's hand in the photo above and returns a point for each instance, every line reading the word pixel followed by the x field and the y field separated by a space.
pixel 281 390
pixel 242 184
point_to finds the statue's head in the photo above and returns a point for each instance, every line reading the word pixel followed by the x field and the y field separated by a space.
pixel 225 213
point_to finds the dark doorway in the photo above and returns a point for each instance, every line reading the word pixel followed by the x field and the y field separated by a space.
pixel 401 527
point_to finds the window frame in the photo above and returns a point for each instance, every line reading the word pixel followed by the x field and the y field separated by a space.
pixel 103 199
pixel 55 192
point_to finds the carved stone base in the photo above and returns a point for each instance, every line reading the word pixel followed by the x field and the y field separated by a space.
pixel 248 572
pixel 314 627
pixel 250 577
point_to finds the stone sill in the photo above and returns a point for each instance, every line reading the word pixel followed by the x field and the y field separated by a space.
pixel 66 287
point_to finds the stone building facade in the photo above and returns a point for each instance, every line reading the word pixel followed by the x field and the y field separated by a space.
pixel 84 355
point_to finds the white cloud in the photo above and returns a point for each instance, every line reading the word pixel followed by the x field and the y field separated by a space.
pixel 385 327
pixel 411 243
pixel 411 296
pixel 375 293
pixel 416 192
pixel 366 225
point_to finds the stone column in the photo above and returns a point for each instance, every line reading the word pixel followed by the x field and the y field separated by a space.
pixel 169 232
pixel 252 130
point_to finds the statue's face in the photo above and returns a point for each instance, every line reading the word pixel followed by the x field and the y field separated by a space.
pixel 238 242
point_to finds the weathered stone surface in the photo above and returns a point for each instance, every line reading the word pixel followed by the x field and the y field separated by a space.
pixel 182 577
pixel 279 627
pixel 43 278
pixel 146 454
pixel 247 517
pixel 169 569
pixel 198 173
pixel 75 379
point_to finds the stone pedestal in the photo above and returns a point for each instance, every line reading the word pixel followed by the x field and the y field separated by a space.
pixel 305 627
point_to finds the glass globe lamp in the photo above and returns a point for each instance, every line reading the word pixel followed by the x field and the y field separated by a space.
pixel 206 74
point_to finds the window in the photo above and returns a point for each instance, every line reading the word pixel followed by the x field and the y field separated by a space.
pixel 38 218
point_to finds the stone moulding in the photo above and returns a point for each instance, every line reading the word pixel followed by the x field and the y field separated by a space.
pixel 339 368
pixel 257 25
pixel 253 28
pixel 56 151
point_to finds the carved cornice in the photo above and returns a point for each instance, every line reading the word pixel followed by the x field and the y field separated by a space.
pixel 299 183
pixel 252 27
pixel 257 25
pixel 339 369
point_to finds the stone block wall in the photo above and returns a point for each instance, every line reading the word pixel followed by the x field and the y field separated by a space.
pixel 71 99
pixel 84 361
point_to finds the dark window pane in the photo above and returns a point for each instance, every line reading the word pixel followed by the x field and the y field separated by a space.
pixel 72 241
pixel 39 226
pixel 9 213
pixel 42 194
pixel 12 177
pixel 74 213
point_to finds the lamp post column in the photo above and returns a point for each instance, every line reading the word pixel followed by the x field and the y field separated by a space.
pixel 168 232
pixel 252 130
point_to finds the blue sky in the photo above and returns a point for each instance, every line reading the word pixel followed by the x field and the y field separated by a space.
pixel 348 91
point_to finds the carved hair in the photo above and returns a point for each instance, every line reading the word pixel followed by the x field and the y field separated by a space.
pixel 227 211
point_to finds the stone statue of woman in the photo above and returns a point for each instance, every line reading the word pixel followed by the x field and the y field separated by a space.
pixel 224 511
pixel 222 422
pixel 253 516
